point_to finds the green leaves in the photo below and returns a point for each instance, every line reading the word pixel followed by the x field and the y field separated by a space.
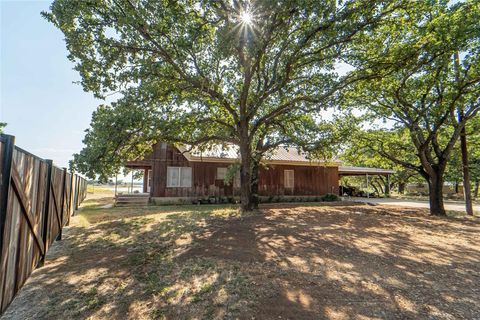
pixel 414 79
pixel 124 131
pixel 198 75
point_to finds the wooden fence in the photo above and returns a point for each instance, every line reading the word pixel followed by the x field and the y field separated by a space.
pixel 36 202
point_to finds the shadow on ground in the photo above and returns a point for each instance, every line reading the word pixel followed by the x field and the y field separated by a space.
pixel 326 262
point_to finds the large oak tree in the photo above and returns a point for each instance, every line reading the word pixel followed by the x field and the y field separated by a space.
pixel 429 84
pixel 249 73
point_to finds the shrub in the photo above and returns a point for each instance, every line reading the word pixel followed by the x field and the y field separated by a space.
pixel 330 197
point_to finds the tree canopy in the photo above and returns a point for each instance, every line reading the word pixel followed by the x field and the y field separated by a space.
pixel 428 80
pixel 203 73
pixel 367 148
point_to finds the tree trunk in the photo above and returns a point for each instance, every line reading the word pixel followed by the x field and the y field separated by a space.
pixel 456 187
pixel 248 182
pixel 254 185
pixel 401 187
pixel 375 188
pixel 466 173
pixel 435 186
pixel 382 185
pixel 245 190
pixel 475 191
pixel 387 188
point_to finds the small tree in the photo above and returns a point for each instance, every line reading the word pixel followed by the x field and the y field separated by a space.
pixel 422 86
pixel 456 166
pixel 249 73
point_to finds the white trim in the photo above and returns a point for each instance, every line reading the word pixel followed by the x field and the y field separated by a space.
pixel 180 177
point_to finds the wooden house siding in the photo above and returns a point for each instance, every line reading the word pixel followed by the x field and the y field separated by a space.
pixel 308 179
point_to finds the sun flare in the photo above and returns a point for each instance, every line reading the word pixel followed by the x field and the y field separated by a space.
pixel 246 17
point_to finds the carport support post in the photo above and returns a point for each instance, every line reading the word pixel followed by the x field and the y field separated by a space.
pixel 131 185
pixel 368 194
pixel 116 178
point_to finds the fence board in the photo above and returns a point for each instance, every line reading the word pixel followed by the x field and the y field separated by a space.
pixel 36 201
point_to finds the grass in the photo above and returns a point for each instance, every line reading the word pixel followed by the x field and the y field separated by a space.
pixel 154 237
pixel 99 189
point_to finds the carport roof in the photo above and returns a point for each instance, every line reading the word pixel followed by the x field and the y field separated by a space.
pixel 361 171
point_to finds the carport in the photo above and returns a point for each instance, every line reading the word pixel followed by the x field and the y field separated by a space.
pixel 344 171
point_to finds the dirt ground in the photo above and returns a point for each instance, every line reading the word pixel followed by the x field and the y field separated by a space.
pixel 336 261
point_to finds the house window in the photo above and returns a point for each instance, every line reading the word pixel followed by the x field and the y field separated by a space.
pixel 289 179
pixel 179 177
pixel 221 173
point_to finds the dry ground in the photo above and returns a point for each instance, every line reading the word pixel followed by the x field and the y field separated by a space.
pixel 339 261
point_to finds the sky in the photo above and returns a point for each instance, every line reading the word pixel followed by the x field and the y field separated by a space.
pixel 43 108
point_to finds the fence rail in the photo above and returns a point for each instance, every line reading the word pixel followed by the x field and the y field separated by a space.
pixel 37 199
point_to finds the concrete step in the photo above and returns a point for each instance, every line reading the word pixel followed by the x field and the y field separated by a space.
pixel 134 199
pixel 133 195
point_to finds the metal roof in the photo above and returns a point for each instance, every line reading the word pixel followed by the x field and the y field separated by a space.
pixel 221 152
pixel 352 171
pixel 230 153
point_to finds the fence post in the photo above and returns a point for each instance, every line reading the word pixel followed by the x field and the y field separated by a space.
pixel 70 200
pixel 62 206
pixel 77 192
pixel 6 174
pixel 46 211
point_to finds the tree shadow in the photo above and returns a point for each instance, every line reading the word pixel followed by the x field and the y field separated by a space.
pixel 328 262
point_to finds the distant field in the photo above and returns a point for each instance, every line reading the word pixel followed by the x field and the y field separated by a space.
pixel 111 188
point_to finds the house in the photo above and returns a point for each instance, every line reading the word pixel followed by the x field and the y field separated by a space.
pixel 173 172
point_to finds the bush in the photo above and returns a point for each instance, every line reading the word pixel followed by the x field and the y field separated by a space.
pixel 330 197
